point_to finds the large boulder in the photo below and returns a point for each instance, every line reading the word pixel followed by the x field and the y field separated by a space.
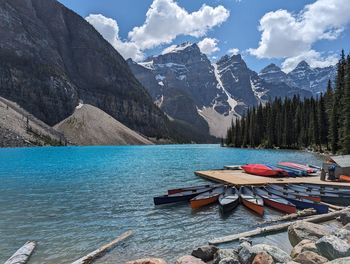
pixel 340 261
pixel 343 234
pixel 333 247
pixel 205 253
pixel 276 253
pixel 248 253
pixel 189 260
pixel 304 245
pixel 147 261
pixel 263 258
pixel 345 218
pixel 225 255
pixel 346 227
pixel 230 260
pixel 309 257
pixel 303 230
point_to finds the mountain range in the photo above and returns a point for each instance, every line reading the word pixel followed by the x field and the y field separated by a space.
pixel 187 86
pixel 51 59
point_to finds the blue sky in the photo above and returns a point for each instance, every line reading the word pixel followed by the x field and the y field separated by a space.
pixel 297 32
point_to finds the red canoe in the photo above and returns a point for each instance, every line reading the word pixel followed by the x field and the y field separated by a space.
pixel 263 170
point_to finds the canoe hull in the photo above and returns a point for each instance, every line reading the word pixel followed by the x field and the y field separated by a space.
pixel 285 208
pixel 226 208
pixel 195 204
pixel 175 199
pixel 258 209
pixel 262 170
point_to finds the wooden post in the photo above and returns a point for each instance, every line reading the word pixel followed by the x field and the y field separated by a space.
pixel 275 228
pixel 23 254
pixel 91 257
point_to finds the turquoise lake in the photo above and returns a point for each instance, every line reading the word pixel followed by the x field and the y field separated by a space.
pixel 75 199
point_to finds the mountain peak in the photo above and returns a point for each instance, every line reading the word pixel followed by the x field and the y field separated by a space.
pixel 303 64
pixel 186 46
pixel 270 68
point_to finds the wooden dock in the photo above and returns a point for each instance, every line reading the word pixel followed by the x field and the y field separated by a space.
pixel 239 178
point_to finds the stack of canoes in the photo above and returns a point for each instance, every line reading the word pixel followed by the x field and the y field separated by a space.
pixel 283 169
pixel 285 198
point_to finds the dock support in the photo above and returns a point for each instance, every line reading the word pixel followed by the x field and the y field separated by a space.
pixel 91 257
pixel 22 255
pixel 276 228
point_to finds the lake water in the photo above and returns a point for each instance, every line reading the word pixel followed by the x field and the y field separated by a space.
pixel 74 199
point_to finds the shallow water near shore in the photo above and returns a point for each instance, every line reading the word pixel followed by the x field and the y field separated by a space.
pixel 75 199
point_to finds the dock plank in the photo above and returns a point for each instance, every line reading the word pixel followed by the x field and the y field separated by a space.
pixel 240 178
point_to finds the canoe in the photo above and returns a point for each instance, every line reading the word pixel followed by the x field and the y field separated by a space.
pixel 344 178
pixel 275 202
pixel 178 197
pixel 193 188
pixel 298 166
pixel 328 187
pixel 263 170
pixel 327 197
pixel 300 202
pixel 293 172
pixel 207 198
pixel 251 200
pixel 285 189
pixel 229 200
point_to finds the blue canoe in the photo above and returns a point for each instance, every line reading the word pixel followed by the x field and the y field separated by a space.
pixel 179 197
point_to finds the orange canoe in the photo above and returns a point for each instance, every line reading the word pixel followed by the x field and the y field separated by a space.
pixel 206 198
pixel 251 200
pixel 344 178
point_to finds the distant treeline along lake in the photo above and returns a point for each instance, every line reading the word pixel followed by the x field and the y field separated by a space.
pixel 322 123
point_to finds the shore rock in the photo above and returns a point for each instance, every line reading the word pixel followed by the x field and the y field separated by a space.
pixel 309 257
pixel 205 253
pixel 333 247
pixel 227 255
pixel 248 253
pixel 189 260
pixel 343 234
pixel 340 261
pixel 345 218
pixel 147 261
pixel 263 258
pixel 304 245
pixel 230 261
pixel 346 227
pixel 304 230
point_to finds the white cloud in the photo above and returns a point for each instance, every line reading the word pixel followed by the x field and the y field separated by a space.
pixel 208 45
pixel 312 57
pixel 233 51
pixel 287 35
pixel 165 20
pixel 109 29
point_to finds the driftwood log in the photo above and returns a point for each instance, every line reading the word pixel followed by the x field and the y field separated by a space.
pixel 22 255
pixel 276 228
pixel 289 217
pixel 91 257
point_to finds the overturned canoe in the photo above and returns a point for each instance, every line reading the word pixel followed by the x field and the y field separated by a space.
pixel 275 202
pixel 264 170
pixel 300 202
pixel 251 200
pixel 285 189
pixel 178 197
pixel 298 166
pixel 229 200
pixel 207 198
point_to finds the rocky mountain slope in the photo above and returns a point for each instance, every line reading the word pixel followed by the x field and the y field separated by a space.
pixel 303 76
pixel 188 87
pixel 19 128
pixel 89 125
pixel 50 58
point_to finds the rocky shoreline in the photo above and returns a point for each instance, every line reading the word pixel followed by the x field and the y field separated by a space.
pixel 312 244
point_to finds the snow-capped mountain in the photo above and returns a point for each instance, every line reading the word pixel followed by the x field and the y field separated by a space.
pixel 188 87
pixel 303 76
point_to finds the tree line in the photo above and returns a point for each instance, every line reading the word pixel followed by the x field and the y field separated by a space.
pixel 321 123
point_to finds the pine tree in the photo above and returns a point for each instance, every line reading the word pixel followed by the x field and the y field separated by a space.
pixel 345 127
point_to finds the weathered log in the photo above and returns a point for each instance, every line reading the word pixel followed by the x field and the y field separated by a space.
pixel 91 257
pixel 275 228
pixel 22 255
pixel 288 217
